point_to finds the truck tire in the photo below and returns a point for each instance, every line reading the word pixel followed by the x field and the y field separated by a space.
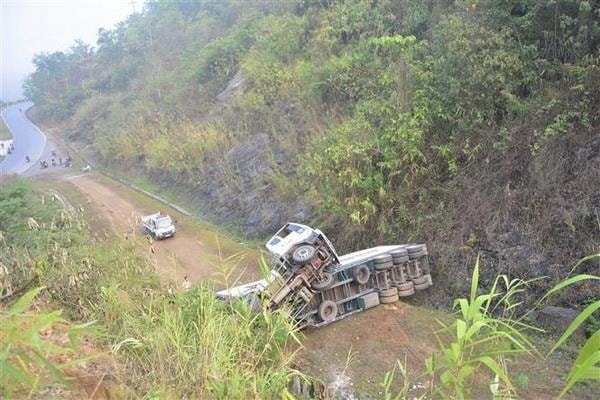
pixel 382 259
pixel 388 295
pixel 328 311
pixel 388 292
pixel 420 280
pixel 361 274
pixel 414 249
pixel 404 287
pixel 389 299
pixel 406 293
pixel 384 266
pixel 400 263
pixel 303 253
pixel 400 253
pixel 415 252
pixel 422 286
pixel 323 284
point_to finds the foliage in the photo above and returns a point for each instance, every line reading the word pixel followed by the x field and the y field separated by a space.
pixel 478 340
pixel 197 346
pixel 27 361
pixel 587 363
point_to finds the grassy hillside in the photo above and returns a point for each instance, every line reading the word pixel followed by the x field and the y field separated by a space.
pixel 469 125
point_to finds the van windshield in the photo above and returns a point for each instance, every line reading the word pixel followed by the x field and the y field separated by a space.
pixel 164 223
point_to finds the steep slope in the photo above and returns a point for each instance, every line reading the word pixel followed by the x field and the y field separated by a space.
pixel 472 126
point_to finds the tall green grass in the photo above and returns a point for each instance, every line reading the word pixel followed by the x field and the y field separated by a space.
pixel 489 333
pixel 480 340
pixel 172 345
pixel 195 346
pixel 586 366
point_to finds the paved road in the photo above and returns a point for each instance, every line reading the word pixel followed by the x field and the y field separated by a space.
pixel 28 140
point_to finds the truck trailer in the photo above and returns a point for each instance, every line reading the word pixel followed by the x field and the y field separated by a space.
pixel 320 287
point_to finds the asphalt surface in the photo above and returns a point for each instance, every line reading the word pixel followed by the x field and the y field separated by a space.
pixel 28 140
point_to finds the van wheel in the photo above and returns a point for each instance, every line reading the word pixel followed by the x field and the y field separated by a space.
pixel 324 283
pixel 303 253
pixel 328 311
pixel 361 274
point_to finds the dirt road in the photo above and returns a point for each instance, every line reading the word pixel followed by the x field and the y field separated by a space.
pixel 197 252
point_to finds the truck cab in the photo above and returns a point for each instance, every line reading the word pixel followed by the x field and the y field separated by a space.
pixel 292 236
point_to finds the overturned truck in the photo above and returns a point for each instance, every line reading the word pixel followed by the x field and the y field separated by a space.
pixel 320 287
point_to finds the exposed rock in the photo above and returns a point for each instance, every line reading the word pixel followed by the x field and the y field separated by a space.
pixel 557 319
pixel 235 84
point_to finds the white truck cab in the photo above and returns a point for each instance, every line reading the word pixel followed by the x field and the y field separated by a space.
pixel 292 235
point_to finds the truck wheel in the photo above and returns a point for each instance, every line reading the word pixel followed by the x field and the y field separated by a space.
pixel 420 280
pixel 387 296
pixel 382 259
pixel 414 249
pixel 303 253
pixel 400 261
pixel 422 286
pixel 404 287
pixel 389 299
pixel 406 293
pixel 384 266
pixel 328 310
pixel 388 292
pixel 361 274
pixel 324 283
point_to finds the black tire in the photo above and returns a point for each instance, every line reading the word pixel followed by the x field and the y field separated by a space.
pixel 382 259
pixel 303 253
pixel 328 311
pixel 421 280
pixel 384 266
pixel 400 261
pixel 422 286
pixel 404 287
pixel 388 292
pixel 406 293
pixel 361 274
pixel 323 284
pixel 389 299
pixel 400 253
pixel 417 248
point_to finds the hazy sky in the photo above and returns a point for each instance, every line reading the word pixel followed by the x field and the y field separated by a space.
pixel 34 26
